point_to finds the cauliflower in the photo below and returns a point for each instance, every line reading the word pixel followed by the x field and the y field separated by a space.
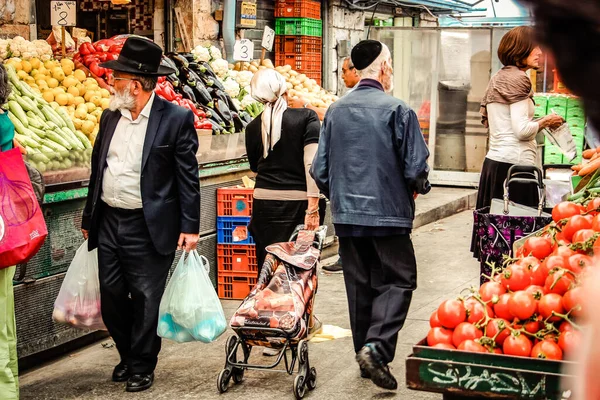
pixel 244 78
pixel 220 67
pixel 247 100
pixel 215 53
pixel 231 87
pixel 201 53
pixel 3 49
pixel 237 104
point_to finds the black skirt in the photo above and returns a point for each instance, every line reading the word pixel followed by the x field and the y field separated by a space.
pixel 491 186
pixel 274 221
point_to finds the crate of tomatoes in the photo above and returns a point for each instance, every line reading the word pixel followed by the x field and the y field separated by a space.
pixel 513 336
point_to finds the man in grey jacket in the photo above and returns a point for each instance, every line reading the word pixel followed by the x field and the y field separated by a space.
pixel 372 163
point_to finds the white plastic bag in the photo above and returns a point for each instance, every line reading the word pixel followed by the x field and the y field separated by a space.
pixel 78 302
pixel 563 139
pixel 190 308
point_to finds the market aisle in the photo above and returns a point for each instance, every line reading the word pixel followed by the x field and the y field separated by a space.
pixel 189 371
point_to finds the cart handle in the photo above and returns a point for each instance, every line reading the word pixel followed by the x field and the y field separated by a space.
pixel 525 174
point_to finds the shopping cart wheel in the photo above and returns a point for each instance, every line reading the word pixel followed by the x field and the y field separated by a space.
pixel 311 382
pixel 303 351
pixel 238 375
pixel 223 380
pixel 299 387
pixel 229 346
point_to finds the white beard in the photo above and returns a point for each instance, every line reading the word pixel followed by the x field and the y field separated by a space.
pixel 122 101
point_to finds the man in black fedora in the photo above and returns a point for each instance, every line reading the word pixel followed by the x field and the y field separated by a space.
pixel 143 204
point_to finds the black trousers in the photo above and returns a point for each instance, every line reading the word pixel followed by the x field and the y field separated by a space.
pixel 380 275
pixel 132 280
pixel 274 221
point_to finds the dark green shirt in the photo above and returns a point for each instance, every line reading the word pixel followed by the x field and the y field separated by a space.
pixel 7 132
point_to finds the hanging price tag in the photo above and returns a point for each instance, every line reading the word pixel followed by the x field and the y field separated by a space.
pixel 268 38
pixel 243 50
pixel 63 13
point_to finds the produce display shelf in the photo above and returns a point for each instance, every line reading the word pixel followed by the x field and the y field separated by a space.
pixel 297 9
pixel 298 44
pixel 464 375
pixel 299 26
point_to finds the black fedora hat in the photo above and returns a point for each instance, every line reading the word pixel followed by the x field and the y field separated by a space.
pixel 139 56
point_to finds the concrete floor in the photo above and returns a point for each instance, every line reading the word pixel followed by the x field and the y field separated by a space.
pixel 189 371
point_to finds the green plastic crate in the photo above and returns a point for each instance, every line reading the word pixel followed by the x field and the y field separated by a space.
pixel 577 132
pixel 541 100
pixel 576 123
pixel 299 26
pixel 575 113
pixel 553 159
pixel 557 102
pixel 562 111
pixel 574 103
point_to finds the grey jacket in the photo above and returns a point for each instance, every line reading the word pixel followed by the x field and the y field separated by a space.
pixel 372 157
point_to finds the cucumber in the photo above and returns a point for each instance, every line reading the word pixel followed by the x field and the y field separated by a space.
pixel 27 141
pixel 40 157
pixel 25 105
pixel 51 116
pixel 19 127
pixel 55 147
pixel 34 122
pixel 40 132
pixel 73 139
pixel 34 136
pixel 55 137
pixel 84 139
pixel 65 117
pixel 18 112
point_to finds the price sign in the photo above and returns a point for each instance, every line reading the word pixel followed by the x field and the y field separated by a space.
pixel 268 38
pixel 247 15
pixel 243 50
pixel 63 13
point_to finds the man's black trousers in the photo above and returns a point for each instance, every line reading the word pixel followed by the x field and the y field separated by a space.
pixel 380 275
pixel 132 280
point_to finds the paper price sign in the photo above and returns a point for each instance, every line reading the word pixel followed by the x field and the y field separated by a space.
pixel 268 38
pixel 243 50
pixel 63 13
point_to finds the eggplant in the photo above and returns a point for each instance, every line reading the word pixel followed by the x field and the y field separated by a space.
pixel 167 62
pixel 215 125
pixel 238 122
pixel 188 93
pixel 179 60
pixel 189 57
pixel 214 114
pixel 222 108
pixel 246 117
pixel 208 76
pixel 202 93
pixel 174 80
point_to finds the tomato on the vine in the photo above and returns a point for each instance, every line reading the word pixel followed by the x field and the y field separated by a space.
pixel 563 251
pixel 566 209
pixel 439 335
pixel 529 262
pixel 476 312
pixel 488 290
pixel 593 206
pixel 539 275
pixel 577 262
pixel 575 224
pixel 538 247
pixel 472 346
pixel 559 281
pixel 516 277
pixel 517 344
pixel 444 346
pixel 553 262
pixel 536 291
pixel 522 305
pixel 451 313
pixel 583 235
pixel 547 349
pixel 434 322
pixel 570 341
pixel 596 220
pixel 573 301
pixel 532 327
pixel 501 308
pixel 549 303
pixel 566 326
pixel 465 331
pixel 498 325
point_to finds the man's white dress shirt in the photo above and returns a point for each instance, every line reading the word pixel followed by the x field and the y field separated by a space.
pixel 121 183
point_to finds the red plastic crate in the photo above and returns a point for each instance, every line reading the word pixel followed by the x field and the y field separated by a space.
pixel 312 75
pixel 297 9
pixel 232 201
pixel 300 62
pixel 235 286
pixel 298 44
pixel 234 258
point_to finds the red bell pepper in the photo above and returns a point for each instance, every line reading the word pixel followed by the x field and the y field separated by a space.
pixel 97 70
pixel 115 48
pixel 104 45
pixel 102 57
pixel 89 59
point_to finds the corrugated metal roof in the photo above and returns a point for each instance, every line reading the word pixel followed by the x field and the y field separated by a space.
pixel 443 6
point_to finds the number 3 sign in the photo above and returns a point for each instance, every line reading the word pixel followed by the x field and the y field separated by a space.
pixel 243 50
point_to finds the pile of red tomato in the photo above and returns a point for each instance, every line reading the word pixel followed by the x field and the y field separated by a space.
pixel 530 307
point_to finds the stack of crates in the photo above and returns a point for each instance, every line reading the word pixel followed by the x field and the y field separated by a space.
pixel 299 42
pixel 237 268
pixel 571 109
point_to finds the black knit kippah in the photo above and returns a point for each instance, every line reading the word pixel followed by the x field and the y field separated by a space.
pixel 365 52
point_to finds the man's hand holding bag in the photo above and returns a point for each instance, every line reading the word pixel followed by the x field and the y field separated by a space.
pixel 22 226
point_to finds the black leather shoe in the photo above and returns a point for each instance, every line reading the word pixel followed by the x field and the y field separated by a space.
pixel 365 374
pixel 371 361
pixel 121 373
pixel 140 382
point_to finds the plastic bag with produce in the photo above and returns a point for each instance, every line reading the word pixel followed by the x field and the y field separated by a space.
pixel 78 302
pixel 190 309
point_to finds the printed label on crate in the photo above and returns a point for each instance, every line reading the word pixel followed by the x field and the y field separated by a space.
pixel 248 16
pixel 240 233
pixel 243 50
pixel 268 38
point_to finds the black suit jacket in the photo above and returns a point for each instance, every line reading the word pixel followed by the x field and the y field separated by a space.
pixel 169 176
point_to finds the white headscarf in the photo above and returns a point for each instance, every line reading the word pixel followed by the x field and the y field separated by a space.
pixel 268 87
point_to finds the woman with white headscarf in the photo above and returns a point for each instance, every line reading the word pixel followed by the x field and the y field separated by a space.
pixel 281 144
